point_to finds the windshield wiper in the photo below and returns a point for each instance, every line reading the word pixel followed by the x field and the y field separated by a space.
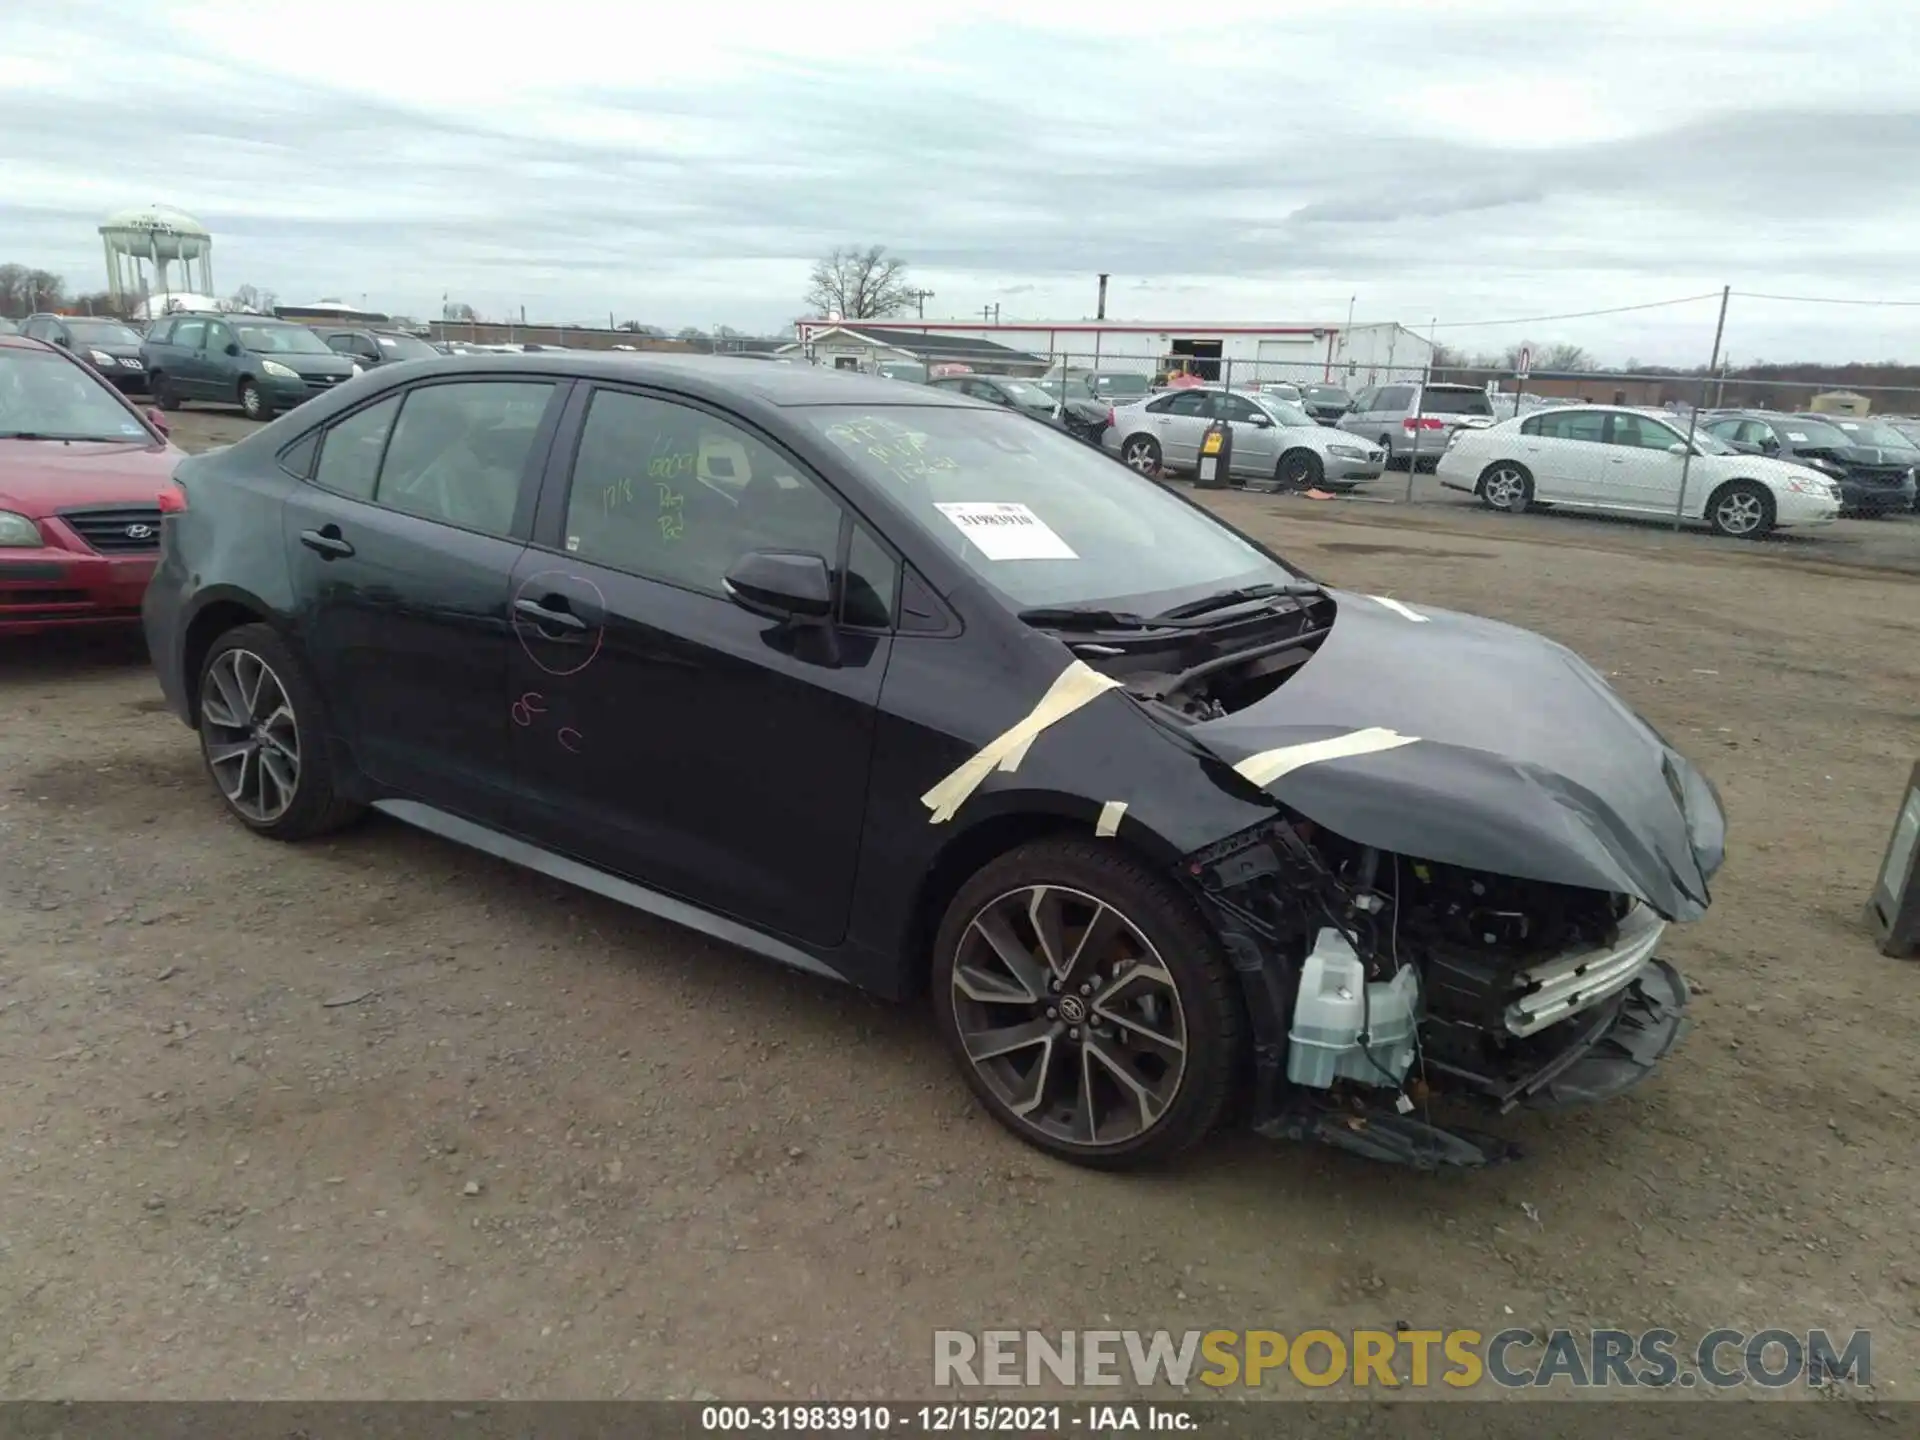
pixel 1083 617
pixel 1245 593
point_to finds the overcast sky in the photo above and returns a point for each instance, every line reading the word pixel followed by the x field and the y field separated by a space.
pixel 684 163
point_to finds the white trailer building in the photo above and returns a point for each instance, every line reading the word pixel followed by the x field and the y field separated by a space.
pixel 1305 352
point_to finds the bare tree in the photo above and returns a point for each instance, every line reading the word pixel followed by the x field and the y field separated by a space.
pixel 1558 359
pixel 859 284
pixel 13 291
pixel 252 297
pixel 456 310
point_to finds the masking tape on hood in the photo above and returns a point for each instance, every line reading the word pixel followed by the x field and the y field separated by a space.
pixel 1269 765
pixel 1109 821
pixel 1077 684
pixel 1399 609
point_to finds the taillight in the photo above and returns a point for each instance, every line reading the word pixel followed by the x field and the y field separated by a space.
pixel 1111 422
pixel 173 499
pixel 1424 422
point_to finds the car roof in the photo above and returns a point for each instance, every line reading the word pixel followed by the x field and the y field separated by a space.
pixel 717 376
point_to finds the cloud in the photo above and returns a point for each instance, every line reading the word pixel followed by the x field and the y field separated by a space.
pixel 1248 162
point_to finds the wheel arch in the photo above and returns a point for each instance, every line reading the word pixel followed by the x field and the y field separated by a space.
pixel 1721 487
pixel 1020 821
pixel 222 609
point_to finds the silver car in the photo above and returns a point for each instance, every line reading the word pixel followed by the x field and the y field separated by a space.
pixel 1414 423
pixel 1273 440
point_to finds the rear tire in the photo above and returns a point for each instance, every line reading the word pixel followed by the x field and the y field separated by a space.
pixel 263 740
pixel 1506 486
pixel 1741 510
pixel 1147 1004
pixel 254 402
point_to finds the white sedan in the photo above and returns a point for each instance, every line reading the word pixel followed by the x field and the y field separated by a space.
pixel 1607 457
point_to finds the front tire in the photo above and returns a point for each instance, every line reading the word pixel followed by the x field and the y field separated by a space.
pixel 254 402
pixel 1142 453
pixel 1087 1004
pixel 262 739
pixel 1741 510
pixel 1299 470
pixel 1506 486
pixel 162 391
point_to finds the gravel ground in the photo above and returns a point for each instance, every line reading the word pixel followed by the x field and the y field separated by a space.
pixel 377 1116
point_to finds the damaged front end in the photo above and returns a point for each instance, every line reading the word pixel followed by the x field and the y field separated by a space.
pixel 1380 985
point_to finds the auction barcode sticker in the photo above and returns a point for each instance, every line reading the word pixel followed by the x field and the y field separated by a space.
pixel 1004 531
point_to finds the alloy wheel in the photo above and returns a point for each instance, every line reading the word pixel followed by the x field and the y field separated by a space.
pixel 1068 1016
pixel 1739 512
pixel 1504 487
pixel 1141 457
pixel 251 736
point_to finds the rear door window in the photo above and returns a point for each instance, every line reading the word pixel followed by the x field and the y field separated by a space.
pixel 458 453
pixel 188 334
pixel 350 453
pixel 1394 398
pixel 1455 402
pixel 1589 426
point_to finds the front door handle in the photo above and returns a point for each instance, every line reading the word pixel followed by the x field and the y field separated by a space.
pixel 540 614
pixel 326 543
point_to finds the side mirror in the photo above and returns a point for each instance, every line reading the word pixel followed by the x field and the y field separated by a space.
pixel 1263 422
pixel 1679 447
pixel 232 348
pixel 1745 447
pixel 157 418
pixel 781 585
pixel 1769 445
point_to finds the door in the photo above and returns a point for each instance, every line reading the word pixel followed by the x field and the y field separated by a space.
pixel 219 372
pixel 1642 473
pixel 1256 449
pixel 402 549
pixel 1566 452
pixel 1178 421
pixel 664 733
pixel 185 366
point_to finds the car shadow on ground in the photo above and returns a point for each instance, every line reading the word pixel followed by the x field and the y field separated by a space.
pixel 76 652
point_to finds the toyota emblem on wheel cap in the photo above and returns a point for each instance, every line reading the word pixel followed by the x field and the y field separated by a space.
pixel 140 532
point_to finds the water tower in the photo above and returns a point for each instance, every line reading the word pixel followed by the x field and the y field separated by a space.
pixel 156 236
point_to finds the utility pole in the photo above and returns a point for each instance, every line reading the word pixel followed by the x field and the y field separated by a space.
pixel 920 298
pixel 1693 419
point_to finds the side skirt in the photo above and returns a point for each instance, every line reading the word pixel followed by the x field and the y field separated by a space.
pixel 572 872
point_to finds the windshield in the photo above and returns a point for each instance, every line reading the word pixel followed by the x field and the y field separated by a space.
pixel 1327 395
pixel 282 340
pixel 1704 440
pixel 1025 393
pixel 1286 412
pixel 1872 432
pixel 1042 518
pixel 101 332
pixel 1805 434
pixel 1105 384
pixel 405 347
pixel 1436 401
pixel 49 397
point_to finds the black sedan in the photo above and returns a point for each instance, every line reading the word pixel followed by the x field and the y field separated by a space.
pixel 1873 479
pixel 1325 403
pixel 1083 419
pixel 110 347
pixel 907 691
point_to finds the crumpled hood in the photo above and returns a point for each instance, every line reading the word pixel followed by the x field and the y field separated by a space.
pixel 1465 741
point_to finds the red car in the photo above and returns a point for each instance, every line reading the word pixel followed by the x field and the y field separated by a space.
pixel 83 477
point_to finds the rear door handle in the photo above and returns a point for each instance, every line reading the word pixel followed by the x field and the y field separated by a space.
pixel 326 543
pixel 537 612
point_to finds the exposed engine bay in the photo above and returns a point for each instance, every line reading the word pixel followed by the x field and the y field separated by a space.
pixel 1380 983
